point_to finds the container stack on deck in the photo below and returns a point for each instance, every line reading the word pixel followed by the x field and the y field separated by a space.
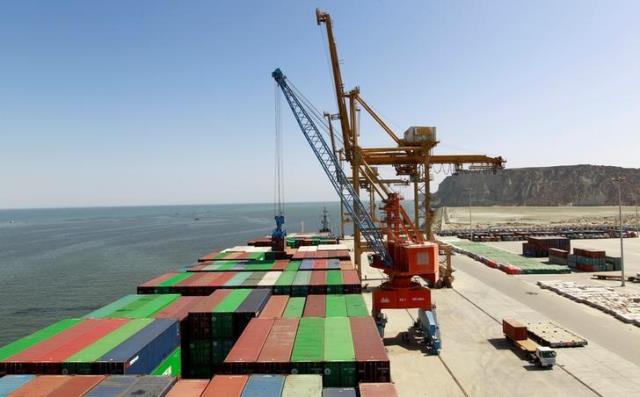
pixel 161 386
pixel 244 312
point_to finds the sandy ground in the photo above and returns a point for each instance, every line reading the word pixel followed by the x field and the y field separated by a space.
pixel 477 361
pixel 458 217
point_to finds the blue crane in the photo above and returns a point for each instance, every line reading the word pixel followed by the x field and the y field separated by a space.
pixel 356 209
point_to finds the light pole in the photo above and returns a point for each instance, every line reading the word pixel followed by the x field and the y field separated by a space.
pixel 618 180
pixel 470 224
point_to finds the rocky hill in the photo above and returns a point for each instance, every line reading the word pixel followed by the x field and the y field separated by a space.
pixel 561 185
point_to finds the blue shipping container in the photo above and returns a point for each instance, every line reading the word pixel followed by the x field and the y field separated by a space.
pixel 10 383
pixel 150 386
pixel 113 385
pixel 263 386
pixel 144 351
pixel 339 392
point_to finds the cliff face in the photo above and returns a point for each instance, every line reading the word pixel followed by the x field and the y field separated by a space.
pixel 561 185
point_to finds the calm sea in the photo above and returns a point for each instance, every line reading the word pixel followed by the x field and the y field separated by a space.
pixel 61 263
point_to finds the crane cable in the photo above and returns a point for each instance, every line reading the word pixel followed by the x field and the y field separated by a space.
pixel 278 191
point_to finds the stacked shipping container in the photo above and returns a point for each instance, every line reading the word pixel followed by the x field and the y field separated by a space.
pixel 539 246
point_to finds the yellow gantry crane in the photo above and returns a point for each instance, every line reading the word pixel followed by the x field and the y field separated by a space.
pixel 412 156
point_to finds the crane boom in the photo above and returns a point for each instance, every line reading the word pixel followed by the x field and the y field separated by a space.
pixel 331 166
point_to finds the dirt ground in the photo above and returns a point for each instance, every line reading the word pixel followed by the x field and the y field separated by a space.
pixel 458 217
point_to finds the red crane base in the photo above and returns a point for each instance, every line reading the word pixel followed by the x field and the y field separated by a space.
pixel 400 294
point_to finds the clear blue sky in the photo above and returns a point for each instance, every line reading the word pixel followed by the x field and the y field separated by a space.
pixel 157 102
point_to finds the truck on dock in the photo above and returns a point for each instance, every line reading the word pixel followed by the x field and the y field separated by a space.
pixel 517 334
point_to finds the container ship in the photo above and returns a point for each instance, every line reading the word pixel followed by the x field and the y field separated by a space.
pixel 242 321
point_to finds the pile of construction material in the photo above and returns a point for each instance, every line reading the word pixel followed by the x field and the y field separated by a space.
pixel 539 246
pixel 623 306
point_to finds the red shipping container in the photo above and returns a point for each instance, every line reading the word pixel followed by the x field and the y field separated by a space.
pixel 281 264
pixel 514 329
pixel 179 310
pixel 378 390
pixel 68 336
pixel 275 306
pixel 318 282
pixel 188 388
pixel 226 386
pixel 41 386
pixel 245 351
pixel 66 350
pixel 320 264
pixel 371 357
pixel 77 386
pixel 155 281
pixel 315 306
pixel 276 352
pixel 208 257
pixel 346 265
pixel 322 254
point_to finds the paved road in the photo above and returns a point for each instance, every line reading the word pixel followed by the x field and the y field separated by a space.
pixel 621 339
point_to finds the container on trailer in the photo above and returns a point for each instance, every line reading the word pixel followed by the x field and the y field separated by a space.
pixel 77 386
pixel 371 358
pixel 113 385
pixel 336 306
pixel 10 383
pixel 250 308
pixel 142 353
pixel 339 392
pixel 274 307
pixel 318 282
pixel 188 388
pixel 264 386
pixel 283 285
pixel 276 351
pixel 308 349
pixel 356 307
pixel 315 306
pixel 514 329
pixel 226 385
pixel 378 390
pixel 244 354
pixel 41 386
pixel 150 386
pixel 302 386
pixel 300 284
pixel 339 356
pixel 295 307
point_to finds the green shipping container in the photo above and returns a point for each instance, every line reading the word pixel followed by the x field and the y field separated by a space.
pixel 41 335
pixel 336 306
pixel 170 366
pixel 164 287
pixel 293 266
pixel 308 348
pixel 222 318
pixel 339 355
pixel 334 282
pixel 295 307
pixel 113 306
pixel 300 285
pixel 356 307
pixel 283 284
